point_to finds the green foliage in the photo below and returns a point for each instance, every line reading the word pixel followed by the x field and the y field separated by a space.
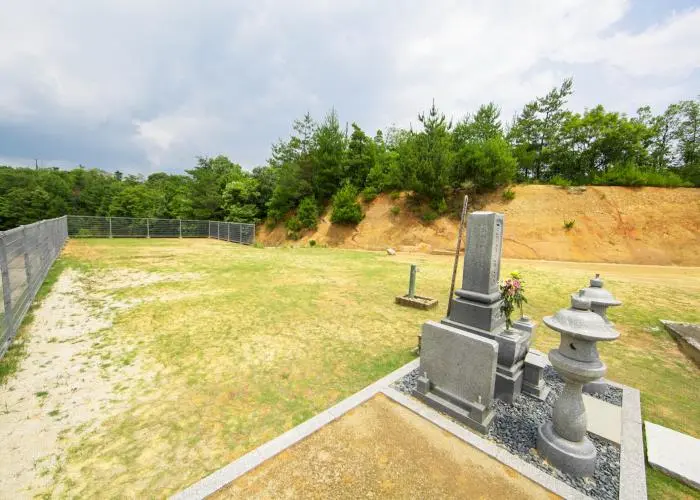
pixel 560 181
pixel 508 194
pixel 312 243
pixel 488 165
pixel 308 213
pixel 569 224
pixel 346 210
pixel 361 157
pixel 395 195
pixel 546 143
pixel 429 215
pixel 293 224
pixel 630 175
pixel 395 210
pixel 369 194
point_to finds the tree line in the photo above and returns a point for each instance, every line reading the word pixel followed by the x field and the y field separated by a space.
pixel 323 163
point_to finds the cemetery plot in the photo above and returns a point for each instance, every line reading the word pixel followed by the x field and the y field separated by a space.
pixel 231 346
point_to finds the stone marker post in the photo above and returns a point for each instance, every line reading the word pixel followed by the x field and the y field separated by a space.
pixel 412 282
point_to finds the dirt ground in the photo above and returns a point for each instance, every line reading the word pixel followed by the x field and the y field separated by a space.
pixel 382 450
pixel 611 224
pixel 69 383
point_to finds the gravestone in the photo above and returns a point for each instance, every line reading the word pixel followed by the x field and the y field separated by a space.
pixel 458 372
pixel 477 305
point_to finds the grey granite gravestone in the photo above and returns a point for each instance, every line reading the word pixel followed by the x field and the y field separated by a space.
pixel 477 305
pixel 458 373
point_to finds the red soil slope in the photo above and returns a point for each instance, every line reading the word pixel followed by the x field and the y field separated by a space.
pixel 612 224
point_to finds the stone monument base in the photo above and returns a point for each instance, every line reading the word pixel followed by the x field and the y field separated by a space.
pixel 475 415
pixel 573 457
pixel 458 373
pixel 512 347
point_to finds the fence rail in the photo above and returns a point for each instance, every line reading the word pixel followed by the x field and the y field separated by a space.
pixel 84 226
pixel 26 254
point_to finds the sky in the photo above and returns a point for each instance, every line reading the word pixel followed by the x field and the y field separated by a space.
pixel 143 86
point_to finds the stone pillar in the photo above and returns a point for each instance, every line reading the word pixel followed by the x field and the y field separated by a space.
pixel 412 282
pixel 477 305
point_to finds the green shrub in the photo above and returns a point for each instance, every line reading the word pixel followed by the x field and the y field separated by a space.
pixel 395 195
pixel 395 210
pixel 346 210
pixel 439 206
pixel 429 215
pixel 293 226
pixel 257 244
pixel 631 175
pixel 560 181
pixel 369 194
pixel 312 243
pixel 508 194
pixel 308 213
pixel 568 224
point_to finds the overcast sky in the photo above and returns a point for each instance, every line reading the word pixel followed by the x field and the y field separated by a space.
pixel 148 85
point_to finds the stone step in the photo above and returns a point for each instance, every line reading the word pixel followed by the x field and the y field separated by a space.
pixel 673 453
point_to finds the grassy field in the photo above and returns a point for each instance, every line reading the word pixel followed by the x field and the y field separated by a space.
pixel 259 340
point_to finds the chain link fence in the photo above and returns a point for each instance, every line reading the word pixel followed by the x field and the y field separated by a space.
pixel 83 226
pixel 26 254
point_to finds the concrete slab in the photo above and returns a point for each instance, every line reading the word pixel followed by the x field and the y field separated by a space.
pixel 604 419
pixel 674 453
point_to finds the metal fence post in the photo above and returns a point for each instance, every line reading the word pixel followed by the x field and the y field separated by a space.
pixel 148 229
pixel 110 227
pixel 180 227
pixel 27 260
pixel 6 289
pixel 228 231
pixel 209 230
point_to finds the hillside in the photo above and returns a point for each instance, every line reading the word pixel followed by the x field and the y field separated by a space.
pixel 612 224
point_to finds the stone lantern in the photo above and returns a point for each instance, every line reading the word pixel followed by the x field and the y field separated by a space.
pixel 563 441
pixel 600 299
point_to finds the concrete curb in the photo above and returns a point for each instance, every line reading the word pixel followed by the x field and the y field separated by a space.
pixel 632 463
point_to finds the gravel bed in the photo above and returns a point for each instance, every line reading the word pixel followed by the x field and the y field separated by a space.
pixel 515 428
pixel 613 395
